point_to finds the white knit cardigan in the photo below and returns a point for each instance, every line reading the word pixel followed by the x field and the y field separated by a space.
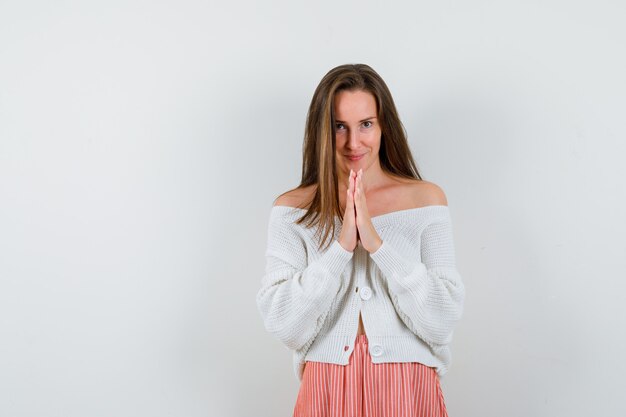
pixel 409 291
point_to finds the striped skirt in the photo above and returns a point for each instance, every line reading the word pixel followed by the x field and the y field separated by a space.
pixel 363 388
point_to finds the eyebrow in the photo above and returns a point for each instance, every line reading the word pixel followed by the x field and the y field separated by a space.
pixel 360 121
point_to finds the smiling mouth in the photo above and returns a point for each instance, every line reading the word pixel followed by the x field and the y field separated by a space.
pixel 354 157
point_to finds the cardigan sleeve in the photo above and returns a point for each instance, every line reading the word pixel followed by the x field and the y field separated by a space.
pixel 295 296
pixel 428 295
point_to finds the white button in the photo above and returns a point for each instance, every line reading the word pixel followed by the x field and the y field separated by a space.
pixel 366 293
pixel 376 350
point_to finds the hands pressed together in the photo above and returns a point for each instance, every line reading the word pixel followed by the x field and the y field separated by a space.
pixel 357 223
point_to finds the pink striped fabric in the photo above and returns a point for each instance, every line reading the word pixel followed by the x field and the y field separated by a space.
pixel 363 388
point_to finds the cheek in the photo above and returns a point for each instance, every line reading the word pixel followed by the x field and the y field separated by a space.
pixel 374 138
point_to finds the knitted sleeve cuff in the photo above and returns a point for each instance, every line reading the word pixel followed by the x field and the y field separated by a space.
pixel 330 265
pixel 335 259
pixel 393 265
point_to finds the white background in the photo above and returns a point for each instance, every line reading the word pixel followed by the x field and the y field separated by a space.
pixel 142 144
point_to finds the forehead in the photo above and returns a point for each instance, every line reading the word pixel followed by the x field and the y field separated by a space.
pixel 357 104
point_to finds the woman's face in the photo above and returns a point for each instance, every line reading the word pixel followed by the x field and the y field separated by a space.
pixel 357 131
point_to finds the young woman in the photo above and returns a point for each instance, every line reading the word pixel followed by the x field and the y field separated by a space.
pixel 361 280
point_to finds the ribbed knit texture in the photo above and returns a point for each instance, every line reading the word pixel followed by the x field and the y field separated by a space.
pixel 409 291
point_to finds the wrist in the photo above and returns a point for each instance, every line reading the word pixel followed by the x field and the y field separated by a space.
pixel 377 244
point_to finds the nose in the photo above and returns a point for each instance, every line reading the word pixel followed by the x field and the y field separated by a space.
pixel 353 139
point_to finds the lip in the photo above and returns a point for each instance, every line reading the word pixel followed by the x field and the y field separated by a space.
pixel 355 157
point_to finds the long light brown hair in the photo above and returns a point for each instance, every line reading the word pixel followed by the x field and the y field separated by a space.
pixel 318 151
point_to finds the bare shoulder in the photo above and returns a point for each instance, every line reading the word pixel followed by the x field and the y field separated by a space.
pixel 298 197
pixel 426 193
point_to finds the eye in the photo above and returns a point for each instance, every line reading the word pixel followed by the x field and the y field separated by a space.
pixel 367 123
pixel 340 126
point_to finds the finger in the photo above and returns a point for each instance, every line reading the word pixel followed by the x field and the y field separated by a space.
pixel 350 199
pixel 358 191
pixel 360 181
pixel 357 199
pixel 349 203
pixel 352 188
pixel 359 196
pixel 351 215
pixel 351 182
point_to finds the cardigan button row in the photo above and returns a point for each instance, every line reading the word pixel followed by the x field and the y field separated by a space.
pixel 376 350
pixel 366 293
